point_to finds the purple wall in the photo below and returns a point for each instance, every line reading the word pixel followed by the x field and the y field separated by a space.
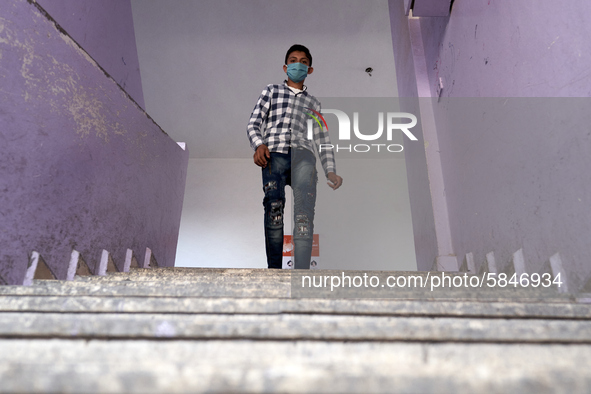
pixel 416 164
pixel 405 68
pixel 431 7
pixel 516 171
pixel 530 48
pixel 81 165
pixel 105 30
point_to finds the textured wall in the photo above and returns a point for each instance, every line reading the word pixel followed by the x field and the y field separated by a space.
pixel 105 30
pixel 515 171
pixel 81 165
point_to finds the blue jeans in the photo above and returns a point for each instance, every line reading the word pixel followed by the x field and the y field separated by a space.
pixel 298 170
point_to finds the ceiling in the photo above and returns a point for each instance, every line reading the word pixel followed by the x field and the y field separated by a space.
pixel 204 63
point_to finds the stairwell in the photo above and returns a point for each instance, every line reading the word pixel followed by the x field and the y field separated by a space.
pixel 174 330
pixel 170 330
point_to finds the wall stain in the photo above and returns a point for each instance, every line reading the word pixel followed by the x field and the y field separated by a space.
pixel 56 84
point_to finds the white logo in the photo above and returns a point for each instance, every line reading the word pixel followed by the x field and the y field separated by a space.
pixel 345 130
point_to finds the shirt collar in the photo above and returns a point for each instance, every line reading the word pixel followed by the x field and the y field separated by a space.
pixel 290 88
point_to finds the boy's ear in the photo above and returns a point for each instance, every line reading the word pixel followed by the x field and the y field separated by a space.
pixel 284 68
pixel 310 70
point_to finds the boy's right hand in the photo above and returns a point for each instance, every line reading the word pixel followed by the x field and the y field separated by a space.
pixel 262 156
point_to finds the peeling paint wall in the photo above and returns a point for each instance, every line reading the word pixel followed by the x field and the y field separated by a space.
pixel 105 30
pixel 81 165
pixel 515 156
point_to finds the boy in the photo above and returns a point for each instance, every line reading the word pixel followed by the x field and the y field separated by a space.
pixel 287 157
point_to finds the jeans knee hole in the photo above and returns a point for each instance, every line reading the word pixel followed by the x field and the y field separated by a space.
pixel 276 214
pixel 302 226
pixel 272 185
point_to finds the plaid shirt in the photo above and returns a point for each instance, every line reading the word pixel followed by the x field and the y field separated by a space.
pixel 280 121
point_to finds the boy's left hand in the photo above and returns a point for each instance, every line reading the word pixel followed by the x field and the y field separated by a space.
pixel 334 180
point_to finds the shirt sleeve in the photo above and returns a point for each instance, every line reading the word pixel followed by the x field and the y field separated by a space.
pixel 322 141
pixel 258 117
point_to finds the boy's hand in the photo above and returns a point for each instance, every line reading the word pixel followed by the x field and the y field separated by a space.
pixel 334 180
pixel 262 156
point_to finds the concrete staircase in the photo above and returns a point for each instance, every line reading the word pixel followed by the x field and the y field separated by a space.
pixel 169 330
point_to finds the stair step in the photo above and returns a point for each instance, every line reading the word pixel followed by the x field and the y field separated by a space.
pixel 176 272
pixel 120 277
pixel 289 326
pixel 216 282
pixel 389 307
pixel 229 274
pixel 256 330
pixel 267 290
pixel 144 288
pixel 263 271
pixel 200 272
pixel 117 366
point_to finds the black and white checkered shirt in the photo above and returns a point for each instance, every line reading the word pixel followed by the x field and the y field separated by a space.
pixel 280 121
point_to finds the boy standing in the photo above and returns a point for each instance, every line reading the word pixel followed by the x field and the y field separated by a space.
pixel 278 132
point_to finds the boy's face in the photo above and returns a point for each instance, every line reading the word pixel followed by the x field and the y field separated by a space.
pixel 298 57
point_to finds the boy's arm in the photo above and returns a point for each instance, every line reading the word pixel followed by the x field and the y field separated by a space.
pixel 322 141
pixel 257 118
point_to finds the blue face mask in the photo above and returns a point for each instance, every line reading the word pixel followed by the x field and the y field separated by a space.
pixel 297 72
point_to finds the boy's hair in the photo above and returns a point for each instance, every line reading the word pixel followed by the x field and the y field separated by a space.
pixel 300 48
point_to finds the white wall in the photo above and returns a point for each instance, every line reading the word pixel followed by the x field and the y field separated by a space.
pixel 205 62
pixel 365 224
pixel 222 218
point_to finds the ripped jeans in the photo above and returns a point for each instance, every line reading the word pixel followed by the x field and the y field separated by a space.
pixel 298 170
